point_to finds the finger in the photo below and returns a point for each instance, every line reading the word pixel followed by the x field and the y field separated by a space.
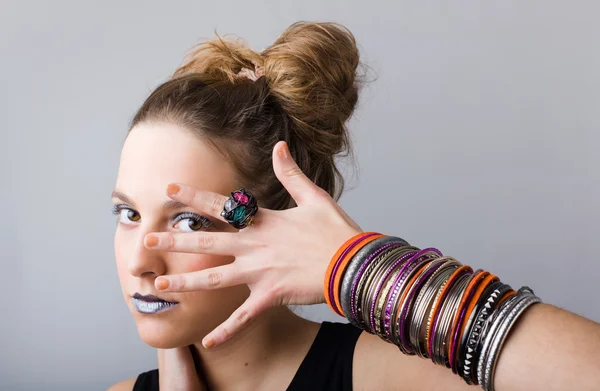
pixel 205 201
pixel 220 243
pixel 207 279
pixel 242 317
pixel 300 187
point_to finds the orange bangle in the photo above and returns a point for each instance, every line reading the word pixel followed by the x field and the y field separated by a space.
pixel 507 296
pixel 342 268
pixel 479 282
pixel 333 262
pixel 438 302
pixel 490 278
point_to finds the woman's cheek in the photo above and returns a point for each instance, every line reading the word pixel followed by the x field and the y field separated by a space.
pixel 120 256
pixel 186 263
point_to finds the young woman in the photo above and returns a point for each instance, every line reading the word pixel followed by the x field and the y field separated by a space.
pixel 210 293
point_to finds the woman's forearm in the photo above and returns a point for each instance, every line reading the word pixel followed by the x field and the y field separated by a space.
pixel 550 349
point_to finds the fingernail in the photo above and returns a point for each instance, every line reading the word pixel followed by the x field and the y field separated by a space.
pixel 284 152
pixel 173 189
pixel 151 241
pixel 162 283
pixel 208 343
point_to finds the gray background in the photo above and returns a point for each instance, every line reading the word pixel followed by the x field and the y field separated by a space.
pixel 479 137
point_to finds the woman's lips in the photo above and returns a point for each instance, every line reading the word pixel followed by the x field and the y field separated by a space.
pixel 150 304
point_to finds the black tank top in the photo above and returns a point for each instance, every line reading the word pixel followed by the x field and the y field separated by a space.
pixel 327 365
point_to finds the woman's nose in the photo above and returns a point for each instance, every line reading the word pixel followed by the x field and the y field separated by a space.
pixel 143 261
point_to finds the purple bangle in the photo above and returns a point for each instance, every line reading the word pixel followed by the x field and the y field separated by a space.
pixel 405 309
pixel 398 281
pixel 388 308
pixel 408 269
pixel 337 266
pixel 461 318
pixel 437 316
pixel 382 281
pixel 362 271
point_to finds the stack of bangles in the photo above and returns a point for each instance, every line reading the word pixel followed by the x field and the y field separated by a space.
pixel 425 303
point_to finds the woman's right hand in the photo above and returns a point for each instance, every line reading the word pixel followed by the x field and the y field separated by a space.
pixel 177 371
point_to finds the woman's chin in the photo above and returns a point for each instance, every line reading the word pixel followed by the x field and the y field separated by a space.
pixel 164 335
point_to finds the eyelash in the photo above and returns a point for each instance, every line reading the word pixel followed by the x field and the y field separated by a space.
pixel 206 223
pixel 116 209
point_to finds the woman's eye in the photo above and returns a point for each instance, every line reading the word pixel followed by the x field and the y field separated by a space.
pixel 126 215
pixel 190 222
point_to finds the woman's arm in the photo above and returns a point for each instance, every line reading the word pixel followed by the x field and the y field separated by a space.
pixel 284 259
pixel 548 349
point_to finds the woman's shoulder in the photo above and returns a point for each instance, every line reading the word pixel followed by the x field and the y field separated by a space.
pixel 125 385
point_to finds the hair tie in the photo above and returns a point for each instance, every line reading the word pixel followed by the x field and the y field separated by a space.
pixel 253 75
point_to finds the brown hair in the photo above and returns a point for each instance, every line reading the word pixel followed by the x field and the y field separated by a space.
pixel 308 90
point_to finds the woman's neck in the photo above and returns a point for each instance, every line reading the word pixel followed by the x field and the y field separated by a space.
pixel 274 343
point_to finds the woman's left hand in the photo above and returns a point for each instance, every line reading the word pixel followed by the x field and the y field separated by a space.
pixel 282 258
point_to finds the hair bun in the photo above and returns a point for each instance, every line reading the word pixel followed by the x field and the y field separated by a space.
pixel 301 89
pixel 311 70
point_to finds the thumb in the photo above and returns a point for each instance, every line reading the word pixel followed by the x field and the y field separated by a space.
pixel 300 187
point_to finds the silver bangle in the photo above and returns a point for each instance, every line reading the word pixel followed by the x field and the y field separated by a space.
pixel 492 325
pixel 447 313
pixel 409 304
pixel 352 270
pixel 479 320
pixel 430 290
pixel 395 306
pixel 497 323
pixel 357 300
pixel 501 335
pixel 434 312
pixel 374 278
pixel 422 301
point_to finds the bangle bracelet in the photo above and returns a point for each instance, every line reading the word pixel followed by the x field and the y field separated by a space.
pixel 425 303
pixel 476 278
pixel 402 304
pixel 401 263
pixel 343 263
pixel 334 264
pixel 484 289
pixel 352 269
pixel 491 302
pixel 431 295
pixel 358 289
pixel 359 281
pixel 528 299
pixel 494 323
pixel 407 263
pixel 379 266
pixel 435 312
pixel 423 300
pixel 400 330
pixel 446 314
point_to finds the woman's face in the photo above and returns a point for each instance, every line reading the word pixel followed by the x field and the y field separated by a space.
pixel 153 156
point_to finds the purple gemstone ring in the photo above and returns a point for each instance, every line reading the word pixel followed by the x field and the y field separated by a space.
pixel 240 208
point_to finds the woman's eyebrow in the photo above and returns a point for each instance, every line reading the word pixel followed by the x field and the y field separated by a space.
pixel 122 197
pixel 172 204
pixel 168 205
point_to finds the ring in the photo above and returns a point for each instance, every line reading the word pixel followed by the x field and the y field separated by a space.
pixel 240 208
